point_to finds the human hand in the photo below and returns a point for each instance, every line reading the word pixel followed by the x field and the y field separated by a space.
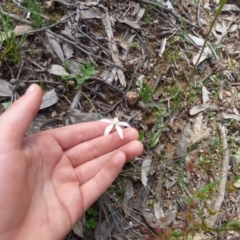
pixel 48 180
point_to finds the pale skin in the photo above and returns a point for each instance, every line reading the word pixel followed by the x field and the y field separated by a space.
pixel 48 180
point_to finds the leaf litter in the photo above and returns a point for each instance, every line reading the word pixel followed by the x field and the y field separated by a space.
pixel 169 190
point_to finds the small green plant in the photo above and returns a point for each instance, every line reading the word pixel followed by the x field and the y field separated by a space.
pixel 66 63
pixel 155 134
pixel 157 131
pixel 148 20
pixel 92 218
pixel 145 90
pixel 9 41
pixel 194 92
pixel 6 105
pixel 141 135
pixel 135 45
pixel 203 160
pixel 35 7
pixel 177 233
pixel 185 29
pixel 87 71
pixel 172 54
pixel 216 49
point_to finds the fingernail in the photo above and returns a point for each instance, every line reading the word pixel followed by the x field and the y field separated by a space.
pixel 30 89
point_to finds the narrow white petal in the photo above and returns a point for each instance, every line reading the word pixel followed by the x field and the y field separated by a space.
pixel 106 120
pixel 125 124
pixel 108 129
pixel 115 120
pixel 120 131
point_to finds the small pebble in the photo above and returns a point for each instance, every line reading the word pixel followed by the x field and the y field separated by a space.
pixel 22 85
pixel 60 87
pixel 13 81
pixel 53 114
pixel 132 97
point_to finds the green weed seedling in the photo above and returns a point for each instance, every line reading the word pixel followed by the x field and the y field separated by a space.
pixel 87 71
pixel 145 90
pixel 155 135
pixel 66 63
pixel 6 105
pixel 147 20
pixel 135 45
pixel 9 41
pixel 92 218
pixel 35 7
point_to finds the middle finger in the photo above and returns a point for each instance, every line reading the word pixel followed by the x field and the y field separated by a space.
pixel 94 148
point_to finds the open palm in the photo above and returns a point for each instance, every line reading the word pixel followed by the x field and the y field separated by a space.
pixel 48 180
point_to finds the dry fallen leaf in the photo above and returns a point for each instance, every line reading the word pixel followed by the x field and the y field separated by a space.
pixel 58 70
pixel 197 40
pixel 5 88
pixel 79 228
pixel 22 29
pixel 237 184
pixel 18 31
pixel 207 53
pixel 181 148
pixel 91 13
pixel 199 108
pixel 55 45
pixel 231 116
pixel 205 95
pixel 49 98
pixel 127 200
pixel 231 8
pixel 146 165
pixel 130 23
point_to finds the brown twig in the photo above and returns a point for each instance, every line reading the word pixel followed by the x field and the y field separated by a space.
pixel 199 13
pixel 20 6
pixel 76 45
pixel 113 88
pixel 168 10
pixel 15 17
pixel 42 81
pixel 50 26
pixel 223 181
pixel 104 49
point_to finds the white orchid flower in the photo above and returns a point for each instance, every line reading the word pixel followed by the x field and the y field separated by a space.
pixel 115 123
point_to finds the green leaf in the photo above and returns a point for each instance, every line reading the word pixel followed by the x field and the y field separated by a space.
pixel 92 212
pixel 91 223
pixel 208 187
pixel 82 68
pixel 155 138
pixel 6 105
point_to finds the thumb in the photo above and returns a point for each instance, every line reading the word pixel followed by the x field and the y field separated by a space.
pixel 17 119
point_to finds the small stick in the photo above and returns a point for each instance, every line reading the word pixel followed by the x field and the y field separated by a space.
pixel 199 13
pixel 20 6
pixel 89 54
pixel 170 11
pixel 223 181
pixel 15 17
pixel 50 26
pixel 42 81
pixel 113 88
pixel 105 50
